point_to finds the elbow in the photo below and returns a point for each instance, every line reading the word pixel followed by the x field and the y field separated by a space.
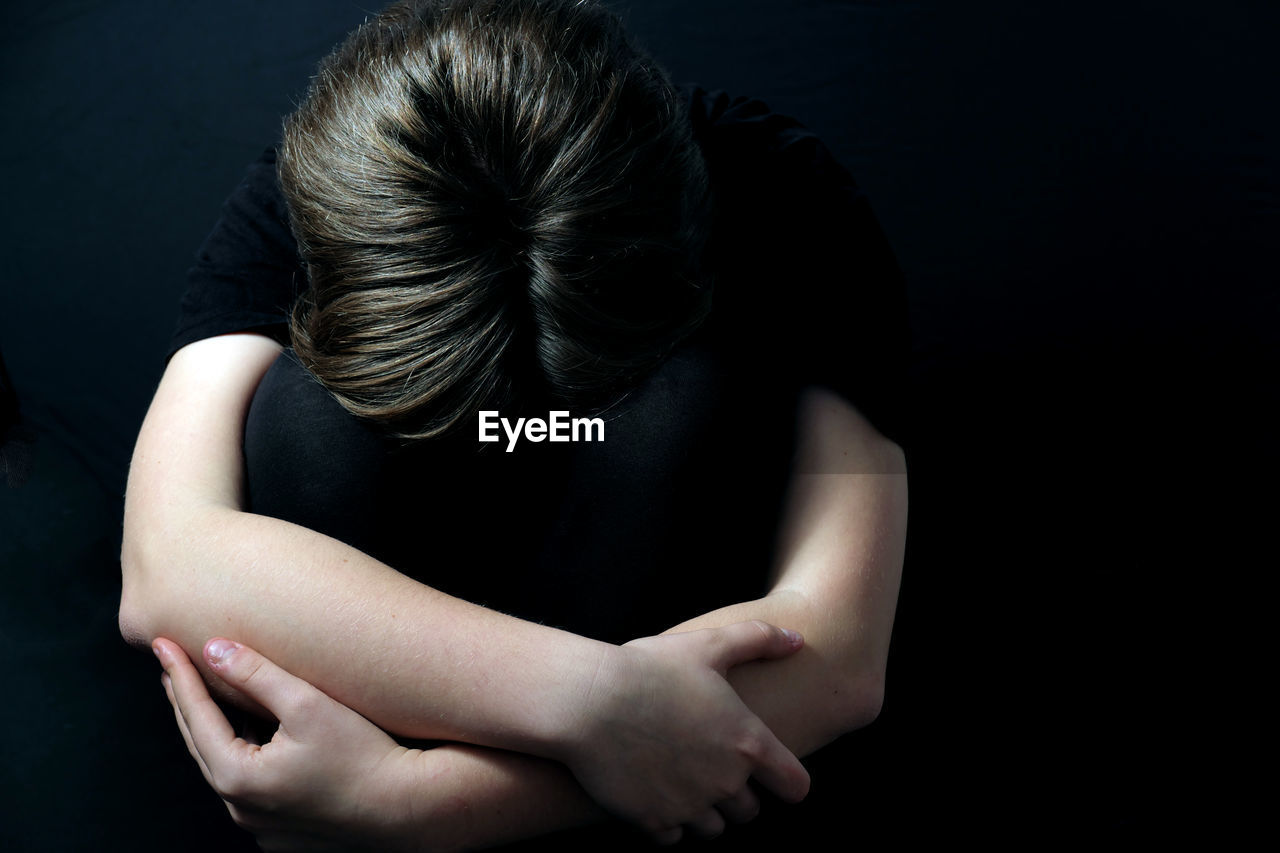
pixel 863 699
pixel 133 623
pixel 136 614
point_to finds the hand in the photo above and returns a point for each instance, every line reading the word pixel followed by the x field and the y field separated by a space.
pixel 328 778
pixel 666 743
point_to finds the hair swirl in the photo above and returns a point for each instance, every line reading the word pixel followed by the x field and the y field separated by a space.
pixel 492 199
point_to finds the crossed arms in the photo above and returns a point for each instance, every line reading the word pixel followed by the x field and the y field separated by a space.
pixel 650 729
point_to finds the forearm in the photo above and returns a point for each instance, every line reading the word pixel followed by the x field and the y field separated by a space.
pixel 822 692
pixel 839 565
pixel 837 571
pixel 461 797
pixel 415 661
pixel 652 729
pixel 476 798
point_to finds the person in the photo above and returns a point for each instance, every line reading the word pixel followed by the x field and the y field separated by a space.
pixel 502 205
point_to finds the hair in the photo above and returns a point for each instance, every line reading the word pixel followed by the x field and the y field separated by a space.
pixel 495 201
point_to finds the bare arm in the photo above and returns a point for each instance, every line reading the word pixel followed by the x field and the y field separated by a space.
pixel 656 737
pixel 196 566
pixel 835 579
pixel 837 575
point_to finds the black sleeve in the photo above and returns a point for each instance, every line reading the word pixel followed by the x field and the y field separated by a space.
pixel 247 273
pixel 804 270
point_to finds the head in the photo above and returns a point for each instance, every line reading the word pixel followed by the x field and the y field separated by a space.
pixel 496 201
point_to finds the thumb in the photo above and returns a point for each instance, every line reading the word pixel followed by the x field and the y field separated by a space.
pixel 754 640
pixel 247 671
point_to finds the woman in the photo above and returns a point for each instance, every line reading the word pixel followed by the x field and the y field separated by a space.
pixel 503 206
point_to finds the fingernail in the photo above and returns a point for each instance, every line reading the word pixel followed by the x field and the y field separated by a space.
pixel 793 636
pixel 219 651
pixel 155 650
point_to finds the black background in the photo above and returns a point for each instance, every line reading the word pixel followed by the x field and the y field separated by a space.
pixel 1083 198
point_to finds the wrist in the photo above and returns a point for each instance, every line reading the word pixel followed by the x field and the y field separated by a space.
pixel 562 727
pixel 617 701
pixel 420 803
pixel 399 806
pixel 462 797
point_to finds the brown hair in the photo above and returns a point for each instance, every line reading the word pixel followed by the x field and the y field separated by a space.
pixel 494 200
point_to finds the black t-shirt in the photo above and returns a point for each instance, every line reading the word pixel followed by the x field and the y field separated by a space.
pixel 685 492
pixel 674 514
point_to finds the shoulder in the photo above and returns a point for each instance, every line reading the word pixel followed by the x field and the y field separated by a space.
pixel 744 136
pixel 246 274
pixel 800 259
pixel 780 195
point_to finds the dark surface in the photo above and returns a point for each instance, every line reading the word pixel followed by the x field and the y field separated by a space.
pixel 1080 198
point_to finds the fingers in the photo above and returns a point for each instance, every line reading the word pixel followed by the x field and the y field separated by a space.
pixel 247 671
pixel 748 641
pixel 741 807
pixel 709 824
pixel 203 725
pixel 251 728
pixel 667 837
pixel 182 727
pixel 780 771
